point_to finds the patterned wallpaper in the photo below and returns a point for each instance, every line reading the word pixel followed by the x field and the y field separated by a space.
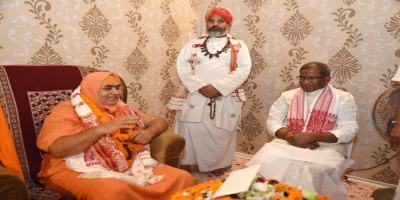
pixel 141 39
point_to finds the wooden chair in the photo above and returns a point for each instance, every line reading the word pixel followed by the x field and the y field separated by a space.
pixel 29 92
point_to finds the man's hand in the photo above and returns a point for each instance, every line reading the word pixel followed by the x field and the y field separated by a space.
pixel 154 126
pixel 124 122
pixel 395 133
pixel 141 136
pixel 209 91
pixel 303 140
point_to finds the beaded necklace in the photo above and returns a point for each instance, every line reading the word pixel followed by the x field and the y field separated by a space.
pixel 212 107
pixel 127 147
pixel 203 48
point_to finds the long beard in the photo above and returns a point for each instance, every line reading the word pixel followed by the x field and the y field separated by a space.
pixel 217 33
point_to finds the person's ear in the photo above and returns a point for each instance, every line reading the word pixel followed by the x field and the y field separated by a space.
pixel 327 79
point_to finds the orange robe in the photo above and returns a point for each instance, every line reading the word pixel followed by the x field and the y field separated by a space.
pixel 55 176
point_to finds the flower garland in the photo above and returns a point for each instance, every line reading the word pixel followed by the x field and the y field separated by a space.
pixel 200 191
pixel 127 147
pixel 279 191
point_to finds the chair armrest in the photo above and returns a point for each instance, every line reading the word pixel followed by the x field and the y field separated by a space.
pixel 167 147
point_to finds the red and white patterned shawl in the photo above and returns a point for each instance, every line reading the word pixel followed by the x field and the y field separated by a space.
pixel 104 152
pixel 321 116
pixel 179 97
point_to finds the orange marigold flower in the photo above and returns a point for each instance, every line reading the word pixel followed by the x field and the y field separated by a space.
pixel 320 197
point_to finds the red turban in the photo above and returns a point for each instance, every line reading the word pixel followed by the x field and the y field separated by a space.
pixel 221 12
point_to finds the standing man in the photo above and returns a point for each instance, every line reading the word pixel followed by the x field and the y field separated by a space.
pixel 212 69
pixel 313 126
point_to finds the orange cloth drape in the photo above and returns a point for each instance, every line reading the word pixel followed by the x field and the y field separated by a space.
pixel 69 184
pixel 8 153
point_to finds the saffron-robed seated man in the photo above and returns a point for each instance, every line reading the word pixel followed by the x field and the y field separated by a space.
pixel 97 147
pixel 313 126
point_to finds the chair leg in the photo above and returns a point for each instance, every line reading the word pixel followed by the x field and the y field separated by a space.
pixel 185 167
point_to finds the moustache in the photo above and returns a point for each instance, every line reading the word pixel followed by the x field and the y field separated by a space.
pixel 215 27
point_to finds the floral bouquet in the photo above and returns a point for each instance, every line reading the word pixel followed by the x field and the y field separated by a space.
pixel 260 189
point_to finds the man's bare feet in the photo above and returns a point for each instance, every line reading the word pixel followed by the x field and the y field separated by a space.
pixel 218 172
pixel 221 171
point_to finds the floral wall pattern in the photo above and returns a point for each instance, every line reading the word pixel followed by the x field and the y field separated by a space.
pixel 141 39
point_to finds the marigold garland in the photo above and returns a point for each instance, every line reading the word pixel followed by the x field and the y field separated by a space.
pixel 122 141
pixel 206 189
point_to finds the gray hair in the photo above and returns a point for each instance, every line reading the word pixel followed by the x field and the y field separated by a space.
pixel 323 68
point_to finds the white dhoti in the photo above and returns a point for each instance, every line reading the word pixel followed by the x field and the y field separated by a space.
pixel 215 152
pixel 318 170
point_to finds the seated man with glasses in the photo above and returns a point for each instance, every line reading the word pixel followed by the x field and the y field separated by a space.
pixel 313 126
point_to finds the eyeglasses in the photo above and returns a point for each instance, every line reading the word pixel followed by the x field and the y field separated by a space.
pixel 311 79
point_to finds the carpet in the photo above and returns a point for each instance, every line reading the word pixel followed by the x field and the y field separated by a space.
pixel 357 190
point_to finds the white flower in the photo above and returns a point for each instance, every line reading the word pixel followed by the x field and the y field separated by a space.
pixel 309 194
pixel 259 187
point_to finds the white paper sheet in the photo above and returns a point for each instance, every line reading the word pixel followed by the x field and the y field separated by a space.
pixel 238 181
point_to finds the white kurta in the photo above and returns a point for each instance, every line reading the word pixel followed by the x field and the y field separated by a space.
pixel 321 169
pixel 210 143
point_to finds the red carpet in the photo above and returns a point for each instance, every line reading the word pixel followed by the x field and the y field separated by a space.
pixel 357 190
